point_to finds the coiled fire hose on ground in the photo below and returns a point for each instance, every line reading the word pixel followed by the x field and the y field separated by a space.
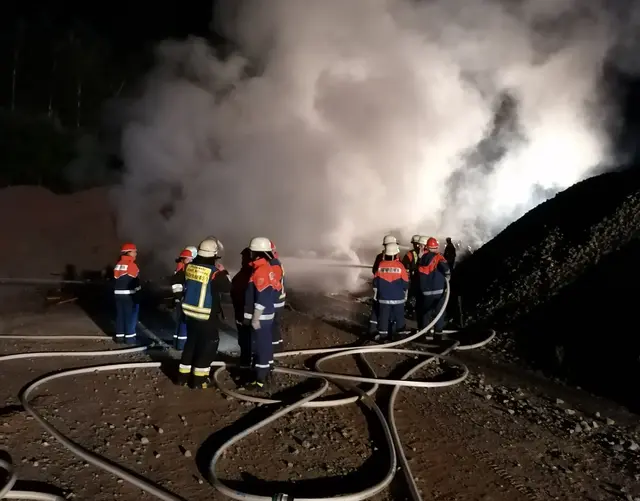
pixel 395 449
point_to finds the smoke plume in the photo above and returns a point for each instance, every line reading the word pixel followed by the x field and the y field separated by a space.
pixel 334 122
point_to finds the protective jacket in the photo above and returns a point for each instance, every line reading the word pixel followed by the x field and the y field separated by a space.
pixel 433 270
pixel 177 281
pixel 126 274
pixel 391 282
pixel 376 263
pixel 261 291
pixel 281 294
pixel 204 282
pixel 410 262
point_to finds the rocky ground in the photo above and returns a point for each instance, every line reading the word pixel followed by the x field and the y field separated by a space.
pixel 504 434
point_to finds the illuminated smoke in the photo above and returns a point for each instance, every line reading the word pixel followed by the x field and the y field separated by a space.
pixel 336 121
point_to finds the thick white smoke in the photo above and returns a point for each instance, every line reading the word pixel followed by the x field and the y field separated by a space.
pixel 336 121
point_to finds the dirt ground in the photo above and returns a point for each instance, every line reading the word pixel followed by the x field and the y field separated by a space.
pixel 502 435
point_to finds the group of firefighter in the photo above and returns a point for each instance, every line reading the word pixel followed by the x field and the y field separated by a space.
pixel 417 280
pixel 258 296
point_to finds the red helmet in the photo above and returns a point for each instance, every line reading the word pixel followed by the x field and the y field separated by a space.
pixel 186 253
pixel 433 244
pixel 128 247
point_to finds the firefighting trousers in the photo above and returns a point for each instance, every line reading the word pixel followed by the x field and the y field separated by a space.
pixel 262 347
pixel 180 337
pixel 373 318
pixel 276 330
pixel 127 310
pixel 427 308
pixel 390 319
pixel 199 351
pixel 244 341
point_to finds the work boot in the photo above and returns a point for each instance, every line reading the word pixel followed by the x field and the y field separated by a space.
pixel 182 379
pixel 382 338
pixel 254 386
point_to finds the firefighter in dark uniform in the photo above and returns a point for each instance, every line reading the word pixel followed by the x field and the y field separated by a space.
pixel 434 273
pixel 259 310
pixel 390 288
pixel 373 319
pixel 239 285
pixel 126 289
pixel 205 281
pixel 410 262
pixel 450 253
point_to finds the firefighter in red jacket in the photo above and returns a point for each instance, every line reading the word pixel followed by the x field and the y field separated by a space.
pixel 276 329
pixel 259 310
pixel 373 319
pixel 126 292
pixel 390 286
pixel 177 288
pixel 434 273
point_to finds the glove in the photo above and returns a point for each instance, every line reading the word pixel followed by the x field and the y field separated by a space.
pixel 255 321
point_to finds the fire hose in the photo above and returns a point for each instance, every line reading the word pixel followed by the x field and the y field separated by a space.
pixel 392 438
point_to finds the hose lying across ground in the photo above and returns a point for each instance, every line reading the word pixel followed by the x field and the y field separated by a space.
pixel 343 381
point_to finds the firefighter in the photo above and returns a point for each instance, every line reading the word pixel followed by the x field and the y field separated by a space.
pixel 410 262
pixel 450 253
pixel 390 288
pixel 281 296
pixel 126 292
pixel 177 287
pixel 205 280
pixel 239 285
pixel 433 271
pixel 373 319
pixel 259 309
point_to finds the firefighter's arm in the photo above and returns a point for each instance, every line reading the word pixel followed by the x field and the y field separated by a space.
pixel 177 285
pixel 443 267
pixel 375 288
pixel 222 281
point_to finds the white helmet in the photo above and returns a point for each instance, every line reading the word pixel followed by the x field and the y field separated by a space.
pixel 260 244
pixel 220 246
pixel 209 247
pixel 389 239
pixel 193 250
pixel 415 239
pixel 423 240
pixel 391 249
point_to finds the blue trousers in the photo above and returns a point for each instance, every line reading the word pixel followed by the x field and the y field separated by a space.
pixel 390 318
pixel 427 308
pixel 180 337
pixel 127 310
pixel 262 348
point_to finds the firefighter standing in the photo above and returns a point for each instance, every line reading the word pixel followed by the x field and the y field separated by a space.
pixel 126 292
pixel 205 280
pixel 259 309
pixel 373 319
pixel 410 262
pixel 450 253
pixel 281 296
pixel 434 272
pixel 177 287
pixel 239 285
pixel 390 289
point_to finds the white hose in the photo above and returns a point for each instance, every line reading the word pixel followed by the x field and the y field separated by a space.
pixel 312 400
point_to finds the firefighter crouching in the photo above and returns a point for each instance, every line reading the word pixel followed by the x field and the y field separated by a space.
pixel 177 288
pixel 373 319
pixel 390 288
pixel 434 271
pixel 239 285
pixel 281 296
pixel 410 262
pixel 126 292
pixel 205 280
pixel 259 309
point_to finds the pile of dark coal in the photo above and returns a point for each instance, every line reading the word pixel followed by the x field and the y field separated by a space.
pixel 563 281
